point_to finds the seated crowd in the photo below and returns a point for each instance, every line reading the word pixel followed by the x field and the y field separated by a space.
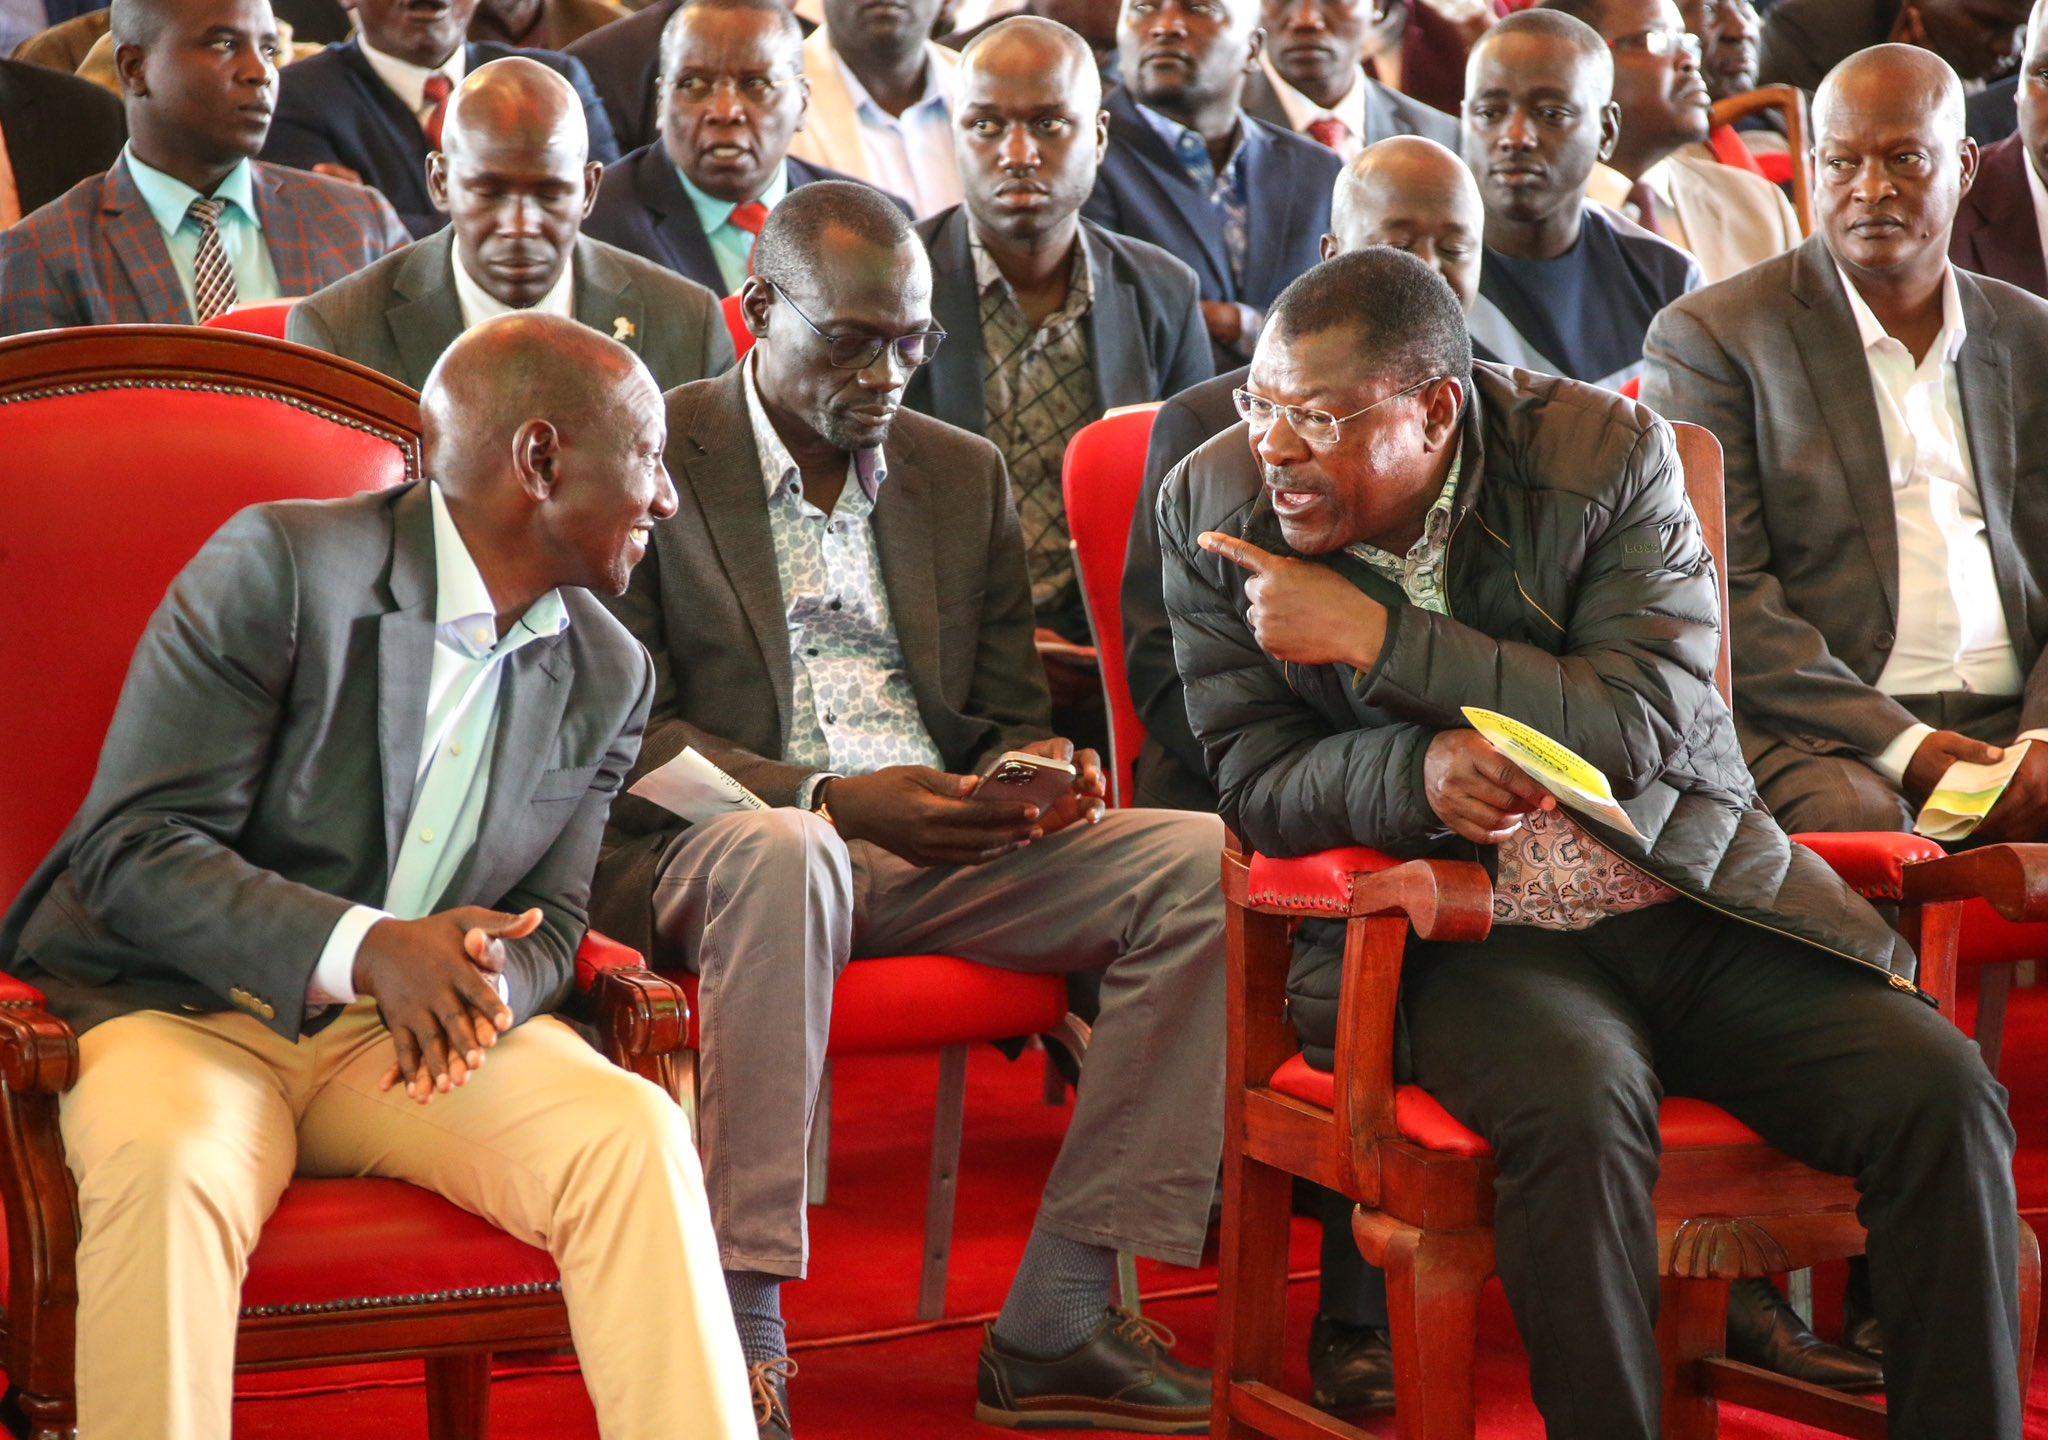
pixel 1415 344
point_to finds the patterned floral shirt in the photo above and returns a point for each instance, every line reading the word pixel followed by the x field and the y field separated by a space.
pixel 851 706
pixel 1549 874
pixel 1040 391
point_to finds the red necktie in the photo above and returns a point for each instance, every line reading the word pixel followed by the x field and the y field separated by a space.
pixel 749 217
pixel 1329 130
pixel 1644 200
pixel 435 94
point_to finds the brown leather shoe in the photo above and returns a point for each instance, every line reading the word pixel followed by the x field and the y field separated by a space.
pixel 771 1396
pixel 1121 1379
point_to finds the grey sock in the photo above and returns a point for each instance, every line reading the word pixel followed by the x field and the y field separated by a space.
pixel 757 1311
pixel 1056 1302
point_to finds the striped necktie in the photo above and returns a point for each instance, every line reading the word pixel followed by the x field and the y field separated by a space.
pixel 213 279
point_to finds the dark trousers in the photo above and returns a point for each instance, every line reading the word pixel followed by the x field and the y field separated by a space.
pixel 1558 1049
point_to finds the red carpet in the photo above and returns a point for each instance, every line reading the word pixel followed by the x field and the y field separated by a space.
pixel 913 1381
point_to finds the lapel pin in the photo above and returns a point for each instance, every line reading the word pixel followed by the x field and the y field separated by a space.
pixel 622 329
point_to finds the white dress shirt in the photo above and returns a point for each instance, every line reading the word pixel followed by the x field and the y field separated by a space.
pixel 1951 624
pixel 909 154
pixel 479 305
pixel 2040 193
pixel 455 751
pixel 409 81
pixel 1302 112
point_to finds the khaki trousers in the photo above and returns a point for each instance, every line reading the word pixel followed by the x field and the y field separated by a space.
pixel 183 1131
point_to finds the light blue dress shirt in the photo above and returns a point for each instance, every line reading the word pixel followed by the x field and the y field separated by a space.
pixel 241 228
pixel 455 749
pixel 732 247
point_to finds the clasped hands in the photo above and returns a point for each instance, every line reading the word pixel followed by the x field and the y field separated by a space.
pixel 929 817
pixel 434 981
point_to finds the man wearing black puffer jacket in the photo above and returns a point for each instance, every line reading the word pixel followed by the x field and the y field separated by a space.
pixel 1395 533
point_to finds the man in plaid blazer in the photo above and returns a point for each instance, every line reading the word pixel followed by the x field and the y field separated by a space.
pixel 199 80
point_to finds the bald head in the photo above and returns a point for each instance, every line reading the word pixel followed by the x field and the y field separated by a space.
pixel 546 437
pixel 1022 45
pixel 1028 132
pixel 1414 195
pixel 515 175
pixel 1892 164
pixel 1894 80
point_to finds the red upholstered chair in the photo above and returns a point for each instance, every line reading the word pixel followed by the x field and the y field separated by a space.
pixel 126 447
pixel 736 326
pixel 1788 102
pixel 1728 1206
pixel 1102 478
pixel 267 318
pixel 906 1004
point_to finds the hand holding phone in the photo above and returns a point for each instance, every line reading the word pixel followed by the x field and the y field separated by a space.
pixel 1035 779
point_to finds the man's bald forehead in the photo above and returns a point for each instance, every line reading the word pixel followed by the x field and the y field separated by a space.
pixel 518 100
pixel 1395 169
pixel 678 32
pixel 520 367
pixel 1892 79
pixel 1034 38
pixel 1571 42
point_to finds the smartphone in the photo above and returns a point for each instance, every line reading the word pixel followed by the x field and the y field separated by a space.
pixel 1032 778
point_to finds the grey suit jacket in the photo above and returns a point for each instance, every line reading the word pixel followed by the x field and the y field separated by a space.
pixel 398 315
pixel 708 605
pixel 260 768
pixel 1387 112
pixel 1770 361
pixel 1145 331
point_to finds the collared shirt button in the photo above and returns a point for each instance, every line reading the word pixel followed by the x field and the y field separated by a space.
pixel 455 748
pixel 427 836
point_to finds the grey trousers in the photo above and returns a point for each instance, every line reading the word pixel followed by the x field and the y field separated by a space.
pixel 1808 792
pixel 769 908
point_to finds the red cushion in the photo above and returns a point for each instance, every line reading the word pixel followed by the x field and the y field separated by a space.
pixel 1309 883
pixel 1686 1124
pixel 1103 476
pixel 106 495
pixel 928 1002
pixel 1873 862
pixel 269 318
pixel 348 1240
pixel 599 953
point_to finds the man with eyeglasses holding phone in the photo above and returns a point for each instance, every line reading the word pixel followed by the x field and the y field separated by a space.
pixel 1395 533
pixel 839 616
pixel 1661 175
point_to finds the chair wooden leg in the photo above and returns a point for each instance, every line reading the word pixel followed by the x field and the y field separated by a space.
pixel 945 1181
pixel 2030 1301
pixel 1994 987
pixel 458 1397
pixel 1251 1301
pixel 818 1153
pixel 1433 1284
pixel 48 1417
pixel 1692 1323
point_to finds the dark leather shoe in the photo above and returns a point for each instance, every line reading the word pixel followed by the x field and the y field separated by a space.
pixel 1766 1332
pixel 1121 1379
pixel 1352 1367
pixel 770 1380
pixel 1860 1330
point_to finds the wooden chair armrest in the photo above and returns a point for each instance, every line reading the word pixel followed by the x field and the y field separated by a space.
pixel 2012 879
pixel 641 1018
pixel 1790 102
pixel 38 1063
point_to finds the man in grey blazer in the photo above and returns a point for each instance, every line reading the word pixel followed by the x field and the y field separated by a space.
pixel 514 176
pixel 1312 79
pixel 839 616
pixel 328 886
pixel 1888 583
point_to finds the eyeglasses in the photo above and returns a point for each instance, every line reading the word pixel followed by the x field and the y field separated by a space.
pixel 1315 427
pixel 1662 44
pixel 857 352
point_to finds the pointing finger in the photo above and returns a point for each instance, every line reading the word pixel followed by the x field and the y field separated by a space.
pixel 1238 552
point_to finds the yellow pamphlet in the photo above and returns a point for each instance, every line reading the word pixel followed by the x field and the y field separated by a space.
pixel 1576 783
pixel 1965 794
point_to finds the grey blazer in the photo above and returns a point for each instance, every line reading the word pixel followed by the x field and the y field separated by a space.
pixel 708 605
pixel 398 315
pixel 260 767
pixel 1770 361
pixel 1387 112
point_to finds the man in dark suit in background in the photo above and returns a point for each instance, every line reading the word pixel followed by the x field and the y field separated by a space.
pixel 186 223
pixel 371 108
pixel 1050 320
pixel 1312 79
pixel 1804 39
pixel 1240 200
pixel 325 894
pixel 840 617
pixel 732 95
pixel 1999 230
pixel 624 61
pixel 1414 194
pixel 55 130
pixel 515 177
